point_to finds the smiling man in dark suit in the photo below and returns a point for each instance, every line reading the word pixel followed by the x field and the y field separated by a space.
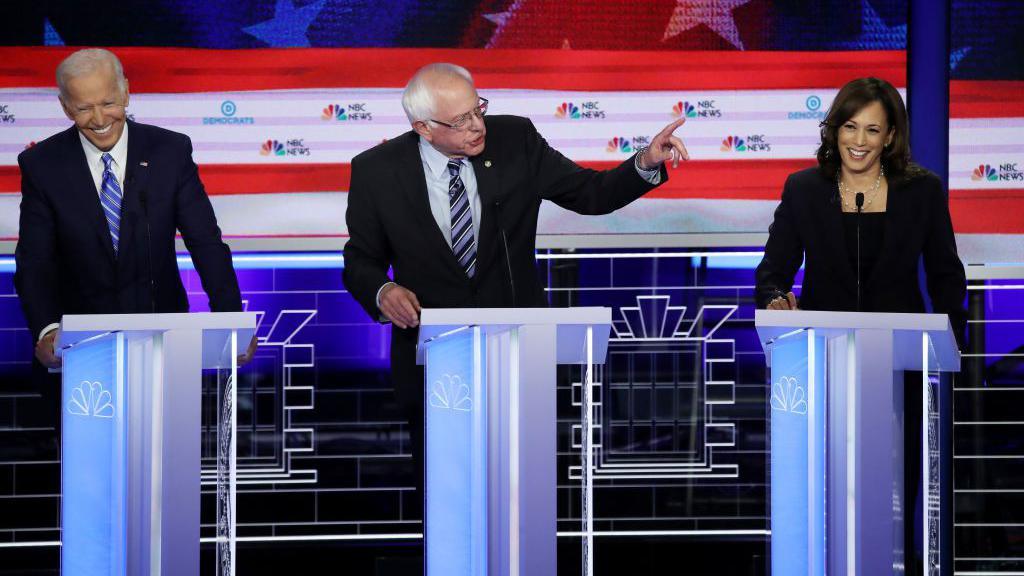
pixel 451 207
pixel 101 202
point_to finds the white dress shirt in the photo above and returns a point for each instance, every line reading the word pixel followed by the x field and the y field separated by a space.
pixel 94 159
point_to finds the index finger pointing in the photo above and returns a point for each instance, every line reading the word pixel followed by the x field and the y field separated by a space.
pixel 672 127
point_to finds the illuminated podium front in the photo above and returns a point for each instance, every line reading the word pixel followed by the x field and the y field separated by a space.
pixel 490 483
pixel 130 454
pixel 837 428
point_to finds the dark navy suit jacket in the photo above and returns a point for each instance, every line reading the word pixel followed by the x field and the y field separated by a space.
pixel 65 256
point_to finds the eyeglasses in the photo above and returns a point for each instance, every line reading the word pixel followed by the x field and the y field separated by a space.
pixel 462 122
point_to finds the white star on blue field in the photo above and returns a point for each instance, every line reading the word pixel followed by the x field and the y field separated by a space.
pixel 288 27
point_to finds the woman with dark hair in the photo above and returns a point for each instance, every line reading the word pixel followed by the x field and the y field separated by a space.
pixel 903 215
pixel 860 221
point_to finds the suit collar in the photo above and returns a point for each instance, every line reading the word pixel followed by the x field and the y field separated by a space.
pixel 412 181
pixel 136 162
pixel 831 207
pixel 135 181
pixel 486 170
pixel 82 188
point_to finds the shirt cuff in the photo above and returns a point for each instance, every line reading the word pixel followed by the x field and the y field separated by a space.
pixel 381 290
pixel 652 176
pixel 49 328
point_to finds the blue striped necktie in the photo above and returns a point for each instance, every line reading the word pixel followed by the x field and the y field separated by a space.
pixel 110 199
pixel 463 243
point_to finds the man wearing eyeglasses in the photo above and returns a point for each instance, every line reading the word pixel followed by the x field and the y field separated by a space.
pixel 451 207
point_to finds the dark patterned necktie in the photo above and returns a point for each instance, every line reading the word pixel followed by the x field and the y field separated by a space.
pixel 463 243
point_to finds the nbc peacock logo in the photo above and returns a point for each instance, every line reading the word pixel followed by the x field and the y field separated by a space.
pixel 789 396
pixel 334 112
pixel 985 172
pixel 733 143
pixel 568 110
pixel 680 109
pixel 451 393
pixel 619 144
pixel 272 148
pixel 91 399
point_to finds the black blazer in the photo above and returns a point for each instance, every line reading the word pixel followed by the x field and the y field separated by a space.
pixel 390 224
pixel 808 223
pixel 65 260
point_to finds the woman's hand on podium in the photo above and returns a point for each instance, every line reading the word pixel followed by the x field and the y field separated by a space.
pixel 400 306
pixel 44 350
pixel 246 356
pixel 783 302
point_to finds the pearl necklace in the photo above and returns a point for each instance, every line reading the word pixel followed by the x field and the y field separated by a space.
pixel 849 195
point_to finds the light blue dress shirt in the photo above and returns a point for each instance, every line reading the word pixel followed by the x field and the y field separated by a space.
pixel 435 169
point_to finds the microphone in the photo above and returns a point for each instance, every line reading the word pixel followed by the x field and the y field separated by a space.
pixel 143 201
pixel 508 259
pixel 859 201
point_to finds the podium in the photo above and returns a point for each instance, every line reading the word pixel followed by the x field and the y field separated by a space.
pixel 837 379
pixel 490 483
pixel 130 474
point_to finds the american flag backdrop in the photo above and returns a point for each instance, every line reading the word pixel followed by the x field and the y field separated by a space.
pixel 278 96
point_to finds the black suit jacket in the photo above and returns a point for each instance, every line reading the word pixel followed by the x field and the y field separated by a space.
pixel 390 224
pixel 808 223
pixel 65 261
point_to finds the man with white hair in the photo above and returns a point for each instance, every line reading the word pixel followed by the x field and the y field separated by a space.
pixel 101 202
pixel 451 207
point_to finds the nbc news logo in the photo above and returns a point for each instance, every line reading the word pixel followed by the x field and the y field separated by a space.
pixel 1007 172
pixel 621 144
pixel 698 109
pixel 587 110
pixel 750 143
pixel 342 113
pixel 291 147
pixel 6 115
pixel 568 110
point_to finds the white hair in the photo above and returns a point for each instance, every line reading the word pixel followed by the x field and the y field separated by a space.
pixel 85 62
pixel 418 98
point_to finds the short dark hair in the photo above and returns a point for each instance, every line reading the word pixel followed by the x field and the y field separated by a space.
pixel 851 99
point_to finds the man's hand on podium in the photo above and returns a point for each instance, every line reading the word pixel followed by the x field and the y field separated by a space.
pixel 783 302
pixel 400 306
pixel 44 350
pixel 246 356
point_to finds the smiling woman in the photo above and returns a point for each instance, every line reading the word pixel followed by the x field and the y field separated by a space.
pixel 864 166
pixel 860 222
